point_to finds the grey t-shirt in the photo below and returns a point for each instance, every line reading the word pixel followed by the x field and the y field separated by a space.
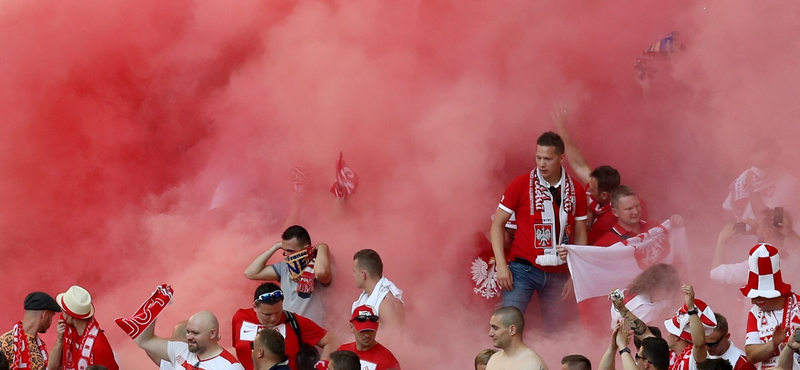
pixel 310 307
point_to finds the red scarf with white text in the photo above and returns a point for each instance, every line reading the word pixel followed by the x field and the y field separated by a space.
pixel 84 348
pixel 22 354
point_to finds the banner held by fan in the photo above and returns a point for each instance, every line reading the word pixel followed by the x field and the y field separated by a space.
pixel 147 312
pixel 596 271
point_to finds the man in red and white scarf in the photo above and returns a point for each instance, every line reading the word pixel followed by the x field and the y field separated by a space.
pixel 303 265
pixel 550 209
pixel 84 343
pixel 22 346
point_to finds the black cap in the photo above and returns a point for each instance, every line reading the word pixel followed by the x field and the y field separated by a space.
pixel 38 301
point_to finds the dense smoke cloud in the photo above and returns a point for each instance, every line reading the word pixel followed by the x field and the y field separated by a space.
pixel 121 120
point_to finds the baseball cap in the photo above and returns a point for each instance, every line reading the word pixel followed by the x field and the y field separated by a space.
pixel 38 301
pixel 364 318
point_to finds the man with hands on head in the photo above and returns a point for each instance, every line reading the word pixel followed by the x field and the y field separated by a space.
pixel 302 267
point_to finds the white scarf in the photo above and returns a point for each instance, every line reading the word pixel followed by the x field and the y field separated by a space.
pixel 542 201
pixel 383 287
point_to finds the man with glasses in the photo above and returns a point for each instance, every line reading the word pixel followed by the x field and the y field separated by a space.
pixel 200 351
pixel 268 313
pixel 373 355
pixel 653 353
pixel 719 346
pixel 303 265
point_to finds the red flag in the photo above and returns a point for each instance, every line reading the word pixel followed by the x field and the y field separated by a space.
pixel 346 180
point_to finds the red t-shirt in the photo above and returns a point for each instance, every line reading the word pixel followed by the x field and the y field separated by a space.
pixel 376 358
pixel 102 354
pixel 245 326
pixel 517 199
pixel 618 234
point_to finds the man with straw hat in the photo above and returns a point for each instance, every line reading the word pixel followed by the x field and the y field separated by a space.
pixel 83 341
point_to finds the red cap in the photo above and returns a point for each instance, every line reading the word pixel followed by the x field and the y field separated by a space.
pixel 365 312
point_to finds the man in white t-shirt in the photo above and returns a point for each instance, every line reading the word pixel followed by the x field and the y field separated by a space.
pixel 201 349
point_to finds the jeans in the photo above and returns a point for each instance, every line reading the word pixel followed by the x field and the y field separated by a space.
pixel 556 314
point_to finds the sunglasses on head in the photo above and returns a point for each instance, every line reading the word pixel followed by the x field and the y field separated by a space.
pixel 365 318
pixel 271 297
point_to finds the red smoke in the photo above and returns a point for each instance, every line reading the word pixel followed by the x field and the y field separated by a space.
pixel 121 120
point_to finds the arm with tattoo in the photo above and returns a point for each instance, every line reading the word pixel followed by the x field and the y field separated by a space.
pixel 638 326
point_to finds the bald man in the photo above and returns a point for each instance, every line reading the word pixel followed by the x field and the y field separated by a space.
pixel 507 324
pixel 200 351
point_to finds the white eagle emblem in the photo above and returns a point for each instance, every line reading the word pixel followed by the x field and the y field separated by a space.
pixel 485 277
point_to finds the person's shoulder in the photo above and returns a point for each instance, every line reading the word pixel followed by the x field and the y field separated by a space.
pixel 348 347
pixel 244 314
pixel 303 321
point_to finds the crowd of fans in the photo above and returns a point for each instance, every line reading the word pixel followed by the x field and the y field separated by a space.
pixel 539 213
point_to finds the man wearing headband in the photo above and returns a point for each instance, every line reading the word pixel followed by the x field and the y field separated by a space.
pixel 22 345
pixel 373 355
pixel 302 267
pixel 267 313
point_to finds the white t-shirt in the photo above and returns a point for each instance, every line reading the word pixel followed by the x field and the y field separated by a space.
pixel 179 355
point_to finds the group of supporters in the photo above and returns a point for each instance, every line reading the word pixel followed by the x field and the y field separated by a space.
pixel 543 214
pixel 281 330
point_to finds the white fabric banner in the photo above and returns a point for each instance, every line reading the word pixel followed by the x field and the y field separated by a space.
pixel 596 271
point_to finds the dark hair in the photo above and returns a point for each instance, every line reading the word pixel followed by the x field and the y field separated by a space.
pixel 551 138
pixel 370 261
pixel 722 324
pixel 482 358
pixel 273 340
pixel 577 362
pixel 715 364
pixel 659 277
pixel 299 232
pixel 619 192
pixel 607 178
pixel 267 287
pixel 96 367
pixel 656 351
pixel 511 315
pixel 345 360
pixel 653 330
pixel 3 361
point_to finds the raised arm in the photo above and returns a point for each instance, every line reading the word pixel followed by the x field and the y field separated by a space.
pixel 696 326
pixel 328 343
pixel 152 344
pixel 640 330
pixel 55 353
pixel 259 270
pixel 608 362
pixel 623 338
pixel 504 277
pixel 787 354
pixel 322 266
pixel 576 160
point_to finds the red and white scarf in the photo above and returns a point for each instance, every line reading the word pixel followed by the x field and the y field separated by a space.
pixel 301 269
pixel 86 345
pixel 22 354
pixel 542 202
pixel 147 312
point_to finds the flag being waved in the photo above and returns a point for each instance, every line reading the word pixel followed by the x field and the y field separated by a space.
pixel 346 180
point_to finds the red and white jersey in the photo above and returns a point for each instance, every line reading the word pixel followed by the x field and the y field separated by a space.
pixel 376 358
pixel 181 358
pixel 761 325
pixel 736 357
pixel 683 361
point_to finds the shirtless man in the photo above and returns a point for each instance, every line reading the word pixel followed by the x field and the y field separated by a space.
pixel 507 324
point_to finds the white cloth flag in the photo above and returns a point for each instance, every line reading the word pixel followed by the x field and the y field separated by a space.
pixel 596 271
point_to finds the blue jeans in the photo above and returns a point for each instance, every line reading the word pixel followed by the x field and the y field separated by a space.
pixel 556 313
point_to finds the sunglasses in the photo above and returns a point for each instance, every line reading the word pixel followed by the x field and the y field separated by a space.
pixel 365 318
pixel 640 358
pixel 714 344
pixel 271 297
